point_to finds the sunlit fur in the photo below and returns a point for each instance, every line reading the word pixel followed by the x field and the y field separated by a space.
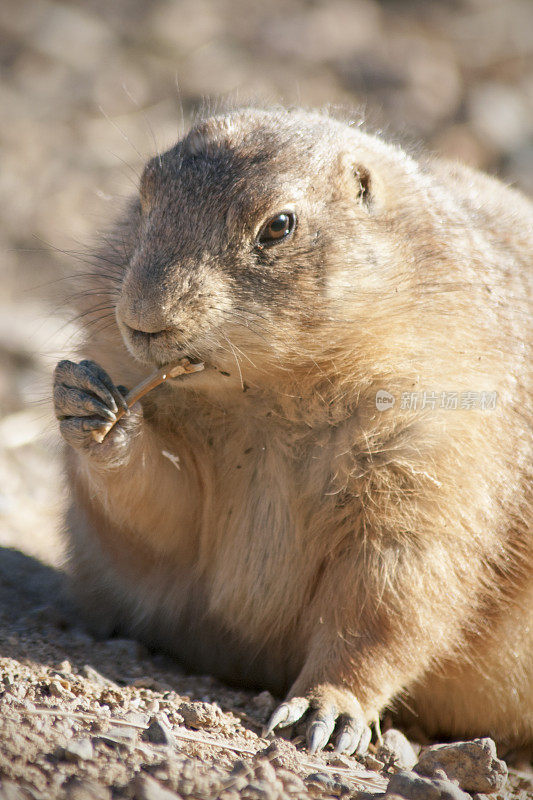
pixel 308 537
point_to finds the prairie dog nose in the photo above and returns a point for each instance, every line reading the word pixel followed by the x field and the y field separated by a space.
pixel 142 314
pixel 146 330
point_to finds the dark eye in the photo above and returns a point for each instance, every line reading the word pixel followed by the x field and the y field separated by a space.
pixel 276 229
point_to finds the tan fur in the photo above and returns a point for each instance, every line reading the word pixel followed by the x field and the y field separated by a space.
pixel 307 538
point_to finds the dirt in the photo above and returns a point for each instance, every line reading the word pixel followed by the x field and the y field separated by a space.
pixel 89 89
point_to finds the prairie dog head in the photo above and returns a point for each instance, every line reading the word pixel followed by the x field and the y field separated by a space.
pixel 260 240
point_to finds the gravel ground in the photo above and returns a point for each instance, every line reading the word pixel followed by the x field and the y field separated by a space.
pixel 90 89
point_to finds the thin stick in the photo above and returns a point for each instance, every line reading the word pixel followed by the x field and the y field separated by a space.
pixel 182 367
pixel 83 716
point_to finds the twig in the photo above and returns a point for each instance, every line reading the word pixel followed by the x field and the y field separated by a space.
pixel 182 367
pixel 85 716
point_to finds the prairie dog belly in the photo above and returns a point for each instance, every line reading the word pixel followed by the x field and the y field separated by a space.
pixel 186 599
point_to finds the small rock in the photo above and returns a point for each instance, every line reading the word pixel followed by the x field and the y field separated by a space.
pixel 78 750
pixel 398 749
pixel 147 788
pixel 411 786
pixel 118 737
pixel 95 677
pixel 122 732
pixel 282 753
pixel 137 718
pixel 200 715
pixel 327 783
pixel 158 732
pixel 474 765
pixel 55 689
pixel 371 762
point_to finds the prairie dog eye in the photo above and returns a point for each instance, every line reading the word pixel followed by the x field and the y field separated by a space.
pixel 276 229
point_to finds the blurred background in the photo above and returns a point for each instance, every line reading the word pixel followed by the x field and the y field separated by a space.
pixel 90 88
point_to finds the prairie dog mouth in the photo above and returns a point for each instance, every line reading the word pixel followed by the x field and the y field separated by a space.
pixel 156 348
pixel 186 365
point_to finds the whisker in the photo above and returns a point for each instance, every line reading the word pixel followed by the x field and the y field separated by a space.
pixel 145 118
pixel 236 360
pixel 97 330
pixel 104 306
pixel 122 133
pixel 123 161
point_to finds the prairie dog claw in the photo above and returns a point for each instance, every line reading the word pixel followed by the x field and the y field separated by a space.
pixel 331 708
pixel 286 714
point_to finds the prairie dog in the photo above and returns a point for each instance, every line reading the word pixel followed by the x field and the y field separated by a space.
pixel 338 508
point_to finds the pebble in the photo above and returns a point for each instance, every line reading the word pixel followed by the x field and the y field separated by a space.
pixel 78 750
pixel 158 731
pixel 137 718
pixel 118 737
pixel 55 689
pixel 371 762
pixel 411 786
pixel 398 749
pixel 96 677
pixel 474 764
pixel 327 783
pixel 200 715
pixel 282 753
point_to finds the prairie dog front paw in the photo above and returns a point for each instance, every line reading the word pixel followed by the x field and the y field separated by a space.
pixel 87 403
pixel 327 709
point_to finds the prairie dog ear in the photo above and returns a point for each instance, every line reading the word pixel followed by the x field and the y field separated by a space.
pixel 364 185
pixel 358 181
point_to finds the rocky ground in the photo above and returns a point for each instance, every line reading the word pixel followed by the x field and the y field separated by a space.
pixel 89 89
